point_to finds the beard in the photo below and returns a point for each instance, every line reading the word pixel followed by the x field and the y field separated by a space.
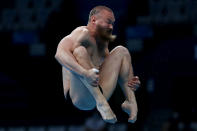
pixel 105 33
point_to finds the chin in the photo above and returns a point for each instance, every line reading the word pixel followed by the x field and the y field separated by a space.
pixel 112 38
pixel 107 36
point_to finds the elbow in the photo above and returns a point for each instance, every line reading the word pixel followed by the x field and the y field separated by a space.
pixel 57 56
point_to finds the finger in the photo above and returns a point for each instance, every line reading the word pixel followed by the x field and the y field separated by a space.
pixel 135 78
pixel 130 85
pixel 134 89
pixel 136 82
pixel 94 84
pixel 130 82
pixel 133 82
pixel 135 86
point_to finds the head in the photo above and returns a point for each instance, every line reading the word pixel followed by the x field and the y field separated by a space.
pixel 101 19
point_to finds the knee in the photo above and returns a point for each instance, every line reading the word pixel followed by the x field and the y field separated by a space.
pixel 80 52
pixel 122 50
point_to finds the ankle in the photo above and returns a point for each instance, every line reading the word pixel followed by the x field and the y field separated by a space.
pixel 102 103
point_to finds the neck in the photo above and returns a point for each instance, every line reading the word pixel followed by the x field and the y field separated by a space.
pixel 91 29
pixel 101 44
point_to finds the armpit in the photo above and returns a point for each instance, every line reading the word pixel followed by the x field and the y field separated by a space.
pixel 85 43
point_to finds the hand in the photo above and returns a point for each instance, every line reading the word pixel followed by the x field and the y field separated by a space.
pixel 134 83
pixel 92 77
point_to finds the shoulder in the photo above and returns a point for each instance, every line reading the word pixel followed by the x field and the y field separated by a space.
pixel 78 35
pixel 81 31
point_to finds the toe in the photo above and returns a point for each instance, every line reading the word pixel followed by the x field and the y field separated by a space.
pixel 112 121
pixel 132 120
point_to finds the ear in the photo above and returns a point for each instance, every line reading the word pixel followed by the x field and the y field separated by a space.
pixel 93 19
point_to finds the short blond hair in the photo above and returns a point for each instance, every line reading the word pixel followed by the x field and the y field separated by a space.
pixel 98 9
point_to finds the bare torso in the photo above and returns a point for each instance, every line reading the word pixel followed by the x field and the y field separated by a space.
pixel 79 75
pixel 97 51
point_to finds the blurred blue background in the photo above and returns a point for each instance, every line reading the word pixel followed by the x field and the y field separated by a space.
pixel 161 36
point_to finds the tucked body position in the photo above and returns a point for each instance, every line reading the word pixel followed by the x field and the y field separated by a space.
pixel 91 72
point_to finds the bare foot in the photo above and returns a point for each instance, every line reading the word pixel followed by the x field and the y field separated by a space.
pixel 106 112
pixel 131 109
pixel 101 103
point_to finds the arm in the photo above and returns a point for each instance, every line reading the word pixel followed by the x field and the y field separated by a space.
pixel 134 82
pixel 64 54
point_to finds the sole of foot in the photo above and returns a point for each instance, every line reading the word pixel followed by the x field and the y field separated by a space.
pixel 127 107
pixel 107 114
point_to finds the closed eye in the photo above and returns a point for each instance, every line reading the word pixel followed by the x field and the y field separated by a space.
pixel 110 22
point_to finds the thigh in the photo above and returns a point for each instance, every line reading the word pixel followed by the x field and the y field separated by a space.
pixel 66 80
pixel 109 71
pixel 79 94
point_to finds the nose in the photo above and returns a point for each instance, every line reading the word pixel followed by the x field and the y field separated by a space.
pixel 111 26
